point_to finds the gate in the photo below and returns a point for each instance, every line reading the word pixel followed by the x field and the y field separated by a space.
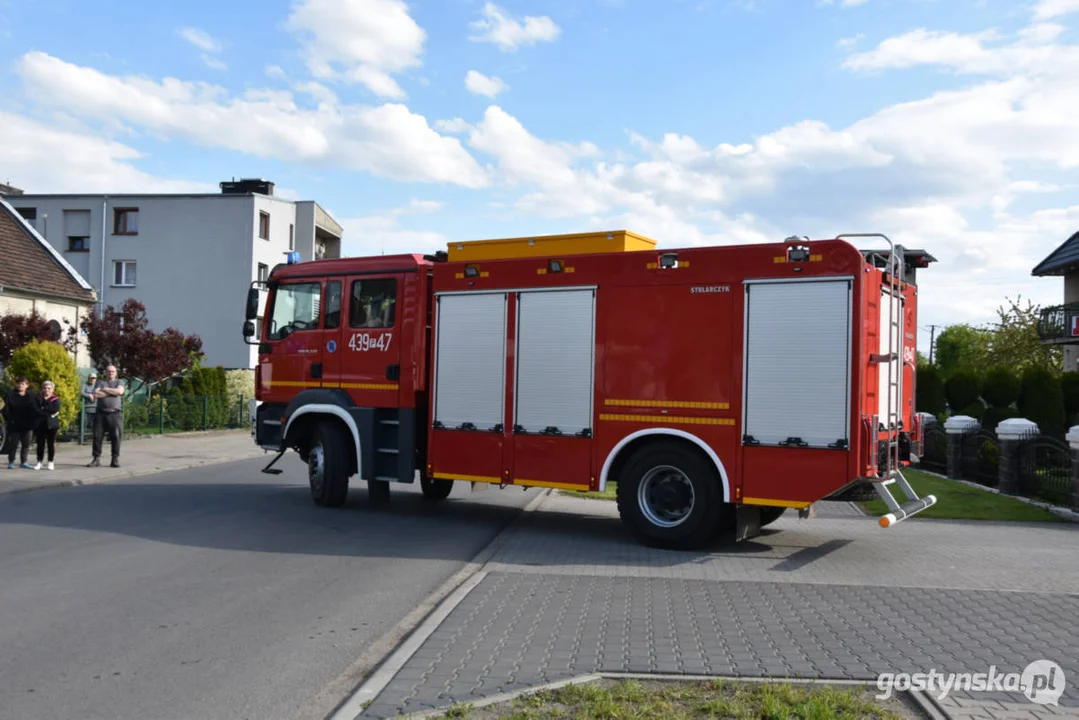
pixel 1045 469
pixel 980 459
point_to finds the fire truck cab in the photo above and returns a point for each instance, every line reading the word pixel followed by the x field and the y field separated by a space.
pixel 717 386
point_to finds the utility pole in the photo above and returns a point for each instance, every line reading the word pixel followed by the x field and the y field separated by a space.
pixel 932 341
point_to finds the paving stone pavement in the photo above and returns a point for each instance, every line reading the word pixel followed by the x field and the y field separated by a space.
pixel 834 597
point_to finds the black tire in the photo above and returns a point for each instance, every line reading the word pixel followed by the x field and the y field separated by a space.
pixel 327 464
pixel 378 491
pixel 678 470
pixel 770 514
pixel 436 489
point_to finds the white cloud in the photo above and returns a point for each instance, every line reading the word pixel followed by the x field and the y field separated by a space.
pixel 358 41
pixel 480 84
pixel 1046 9
pixel 200 39
pixel 43 158
pixel 509 33
pixel 453 126
pixel 382 234
pixel 849 42
pixel 214 63
pixel 387 140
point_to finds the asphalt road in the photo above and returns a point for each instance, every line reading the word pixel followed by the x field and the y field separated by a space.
pixel 214 593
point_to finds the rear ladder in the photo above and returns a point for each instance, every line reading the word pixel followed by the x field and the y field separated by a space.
pixel 892 473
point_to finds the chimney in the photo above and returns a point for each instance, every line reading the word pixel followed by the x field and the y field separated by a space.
pixel 245 186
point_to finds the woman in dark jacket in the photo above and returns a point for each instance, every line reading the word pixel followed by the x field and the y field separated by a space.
pixel 49 423
pixel 21 416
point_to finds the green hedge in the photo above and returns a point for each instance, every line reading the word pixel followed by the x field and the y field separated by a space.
pixel 930 391
pixel 963 390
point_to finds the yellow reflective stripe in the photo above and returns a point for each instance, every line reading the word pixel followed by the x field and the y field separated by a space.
pixel 547 484
pixel 775 503
pixel 467 478
pixel 667 419
pixel 684 404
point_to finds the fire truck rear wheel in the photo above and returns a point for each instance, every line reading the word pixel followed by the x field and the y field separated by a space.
pixel 327 464
pixel 436 489
pixel 670 496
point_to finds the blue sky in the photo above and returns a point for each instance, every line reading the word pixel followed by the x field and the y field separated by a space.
pixel 948 123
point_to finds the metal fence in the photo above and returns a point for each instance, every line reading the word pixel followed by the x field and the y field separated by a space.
pixel 1045 469
pixel 162 414
pixel 934 455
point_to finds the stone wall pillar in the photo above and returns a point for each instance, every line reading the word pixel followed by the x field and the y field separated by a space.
pixel 1073 443
pixel 957 426
pixel 1010 433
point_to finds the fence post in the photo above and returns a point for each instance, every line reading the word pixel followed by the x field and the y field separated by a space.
pixel 1073 445
pixel 241 415
pixel 205 411
pixel 1011 433
pixel 82 423
pixel 161 415
pixel 957 426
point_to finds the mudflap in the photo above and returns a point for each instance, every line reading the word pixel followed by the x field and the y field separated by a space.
pixel 747 522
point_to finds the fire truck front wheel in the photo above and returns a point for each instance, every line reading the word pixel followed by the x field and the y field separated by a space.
pixel 327 464
pixel 669 496
pixel 435 489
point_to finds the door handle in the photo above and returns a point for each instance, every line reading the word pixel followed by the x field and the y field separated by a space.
pixel 316 370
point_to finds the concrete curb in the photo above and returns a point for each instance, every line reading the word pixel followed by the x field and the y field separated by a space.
pixel 386 656
pixel 924 702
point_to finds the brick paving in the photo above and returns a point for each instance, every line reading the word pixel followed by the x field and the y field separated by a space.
pixel 833 597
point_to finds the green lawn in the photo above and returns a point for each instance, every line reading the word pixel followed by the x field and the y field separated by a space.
pixel 958 501
pixel 607 494
pixel 692 699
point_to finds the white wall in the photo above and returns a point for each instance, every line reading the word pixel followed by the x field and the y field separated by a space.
pixel 196 256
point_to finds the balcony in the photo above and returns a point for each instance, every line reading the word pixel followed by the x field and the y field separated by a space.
pixel 1059 324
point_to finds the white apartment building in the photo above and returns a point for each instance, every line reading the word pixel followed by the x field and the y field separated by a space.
pixel 189 259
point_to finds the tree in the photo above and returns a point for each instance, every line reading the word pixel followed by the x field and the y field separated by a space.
pixel 930 391
pixel 1014 343
pixel 124 339
pixel 1042 400
pixel 18 330
pixel 962 348
pixel 41 361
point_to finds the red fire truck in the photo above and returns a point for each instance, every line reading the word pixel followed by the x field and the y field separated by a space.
pixel 716 386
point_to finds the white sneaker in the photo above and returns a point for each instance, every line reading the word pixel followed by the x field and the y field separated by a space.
pixel 50 465
pixel 38 466
pixel 11 466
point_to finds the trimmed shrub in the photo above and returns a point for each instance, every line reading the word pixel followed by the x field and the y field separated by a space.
pixel 1042 400
pixel 41 361
pixel 1000 387
pixel 930 391
pixel 995 415
pixel 975 410
pixel 962 390
pixel 1070 385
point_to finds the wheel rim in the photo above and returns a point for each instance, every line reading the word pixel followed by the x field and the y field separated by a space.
pixel 665 496
pixel 316 468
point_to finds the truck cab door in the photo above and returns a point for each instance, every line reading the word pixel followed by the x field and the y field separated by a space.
pixel 333 334
pixel 370 363
pixel 293 341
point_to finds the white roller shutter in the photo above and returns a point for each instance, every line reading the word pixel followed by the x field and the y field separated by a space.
pixel 897 366
pixel 470 383
pixel 797 363
pixel 555 347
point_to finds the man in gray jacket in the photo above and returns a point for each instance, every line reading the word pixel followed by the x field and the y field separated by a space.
pixel 109 415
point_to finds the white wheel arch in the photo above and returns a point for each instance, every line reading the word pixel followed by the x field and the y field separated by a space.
pixel 669 432
pixel 337 411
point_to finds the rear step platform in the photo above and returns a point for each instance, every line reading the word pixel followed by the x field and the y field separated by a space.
pixel 899 513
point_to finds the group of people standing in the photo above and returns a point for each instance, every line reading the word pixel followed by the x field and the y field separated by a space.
pixel 37 416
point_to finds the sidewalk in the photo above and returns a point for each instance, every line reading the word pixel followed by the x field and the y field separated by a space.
pixel 138 456
pixel 568 594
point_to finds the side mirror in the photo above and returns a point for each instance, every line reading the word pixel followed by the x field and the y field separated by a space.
pixel 252 304
pixel 249 329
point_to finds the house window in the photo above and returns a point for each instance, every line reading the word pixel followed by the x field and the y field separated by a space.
pixel 291 237
pixel 125 221
pixel 264 225
pixel 264 272
pixel 29 215
pixel 77 230
pixel 123 273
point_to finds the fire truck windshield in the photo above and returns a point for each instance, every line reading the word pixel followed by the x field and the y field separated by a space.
pixel 295 307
